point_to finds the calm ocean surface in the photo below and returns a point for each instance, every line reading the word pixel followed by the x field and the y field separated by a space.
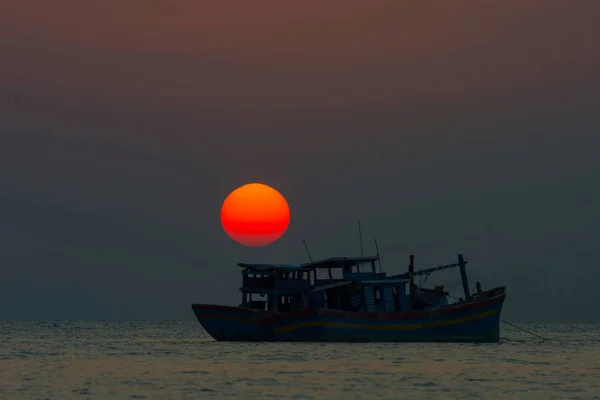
pixel 177 360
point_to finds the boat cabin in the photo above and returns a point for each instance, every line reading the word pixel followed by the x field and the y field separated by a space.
pixel 344 284
pixel 353 284
pixel 274 287
pixel 335 269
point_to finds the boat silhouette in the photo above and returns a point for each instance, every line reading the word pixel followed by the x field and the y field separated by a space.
pixel 353 303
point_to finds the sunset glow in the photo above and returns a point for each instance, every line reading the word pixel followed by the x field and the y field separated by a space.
pixel 255 215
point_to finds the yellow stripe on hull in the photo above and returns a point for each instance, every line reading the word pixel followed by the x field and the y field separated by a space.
pixel 384 327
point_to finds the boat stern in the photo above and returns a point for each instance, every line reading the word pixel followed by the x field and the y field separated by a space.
pixel 226 323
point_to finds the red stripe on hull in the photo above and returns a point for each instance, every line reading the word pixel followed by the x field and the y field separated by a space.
pixel 410 315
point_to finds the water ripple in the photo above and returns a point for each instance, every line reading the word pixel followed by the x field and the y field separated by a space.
pixel 177 360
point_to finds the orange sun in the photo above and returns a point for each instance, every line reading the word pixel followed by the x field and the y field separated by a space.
pixel 255 215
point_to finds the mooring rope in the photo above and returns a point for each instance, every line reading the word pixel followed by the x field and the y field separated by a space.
pixel 524 330
pixel 514 326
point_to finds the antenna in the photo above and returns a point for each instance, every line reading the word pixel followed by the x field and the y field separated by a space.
pixel 308 251
pixel 378 257
pixel 362 254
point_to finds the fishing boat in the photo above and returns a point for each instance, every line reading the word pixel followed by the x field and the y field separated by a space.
pixel 352 303
pixel 264 287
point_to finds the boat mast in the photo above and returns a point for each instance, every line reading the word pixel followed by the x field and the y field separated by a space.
pixel 362 254
pixel 463 275
pixel 411 275
pixel 378 257
pixel 307 251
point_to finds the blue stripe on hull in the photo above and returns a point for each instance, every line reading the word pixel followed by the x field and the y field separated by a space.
pixel 225 323
pixel 232 326
pixel 482 325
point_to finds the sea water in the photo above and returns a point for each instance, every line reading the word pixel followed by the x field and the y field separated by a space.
pixel 178 360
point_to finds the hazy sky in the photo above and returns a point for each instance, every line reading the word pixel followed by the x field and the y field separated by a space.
pixel 445 127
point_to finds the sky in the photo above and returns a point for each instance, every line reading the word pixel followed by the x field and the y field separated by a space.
pixel 444 127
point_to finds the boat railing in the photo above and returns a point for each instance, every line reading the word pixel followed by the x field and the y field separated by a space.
pixel 266 282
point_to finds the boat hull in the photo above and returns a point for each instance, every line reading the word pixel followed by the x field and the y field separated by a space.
pixel 233 324
pixel 471 321
pixel 474 321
